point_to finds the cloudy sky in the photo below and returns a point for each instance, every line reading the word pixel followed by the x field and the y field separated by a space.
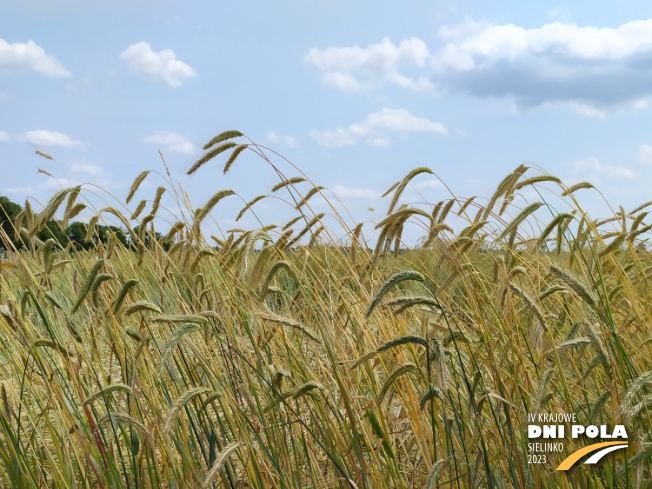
pixel 354 93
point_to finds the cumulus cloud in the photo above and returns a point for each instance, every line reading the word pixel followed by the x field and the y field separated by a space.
pixel 155 66
pixel 30 56
pixel 592 168
pixel 592 70
pixel 358 193
pixel 356 68
pixel 374 128
pixel 52 138
pixel 644 153
pixel 170 141
pixel 274 138
pixel 464 30
pixel 41 137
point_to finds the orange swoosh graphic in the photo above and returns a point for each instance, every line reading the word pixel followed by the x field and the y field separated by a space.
pixel 575 456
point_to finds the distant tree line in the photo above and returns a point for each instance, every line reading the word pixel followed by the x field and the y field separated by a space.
pixel 74 234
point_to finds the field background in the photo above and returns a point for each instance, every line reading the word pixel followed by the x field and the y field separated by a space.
pixel 305 355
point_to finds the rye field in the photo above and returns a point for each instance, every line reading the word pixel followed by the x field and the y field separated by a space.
pixel 306 355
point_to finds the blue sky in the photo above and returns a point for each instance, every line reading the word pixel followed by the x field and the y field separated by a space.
pixel 354 93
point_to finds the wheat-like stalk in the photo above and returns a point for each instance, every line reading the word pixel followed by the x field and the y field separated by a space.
pixel 49 211
pixel 393 377
pixel 181 401
pixel 535 180
pixel 328 360
pixel 210 155
pixel 400 187
pixel 289 181
pixel 220 460
pixel 575 285
pixel 109 389
pixel 223 136
pixel 203 212
pixel 236 152
pixel 576 187
pixel 157 200
pixel 309 195
pixel 391 283
pixel 88 283
pixel 135 185
pixel 132 422
pixel 140 306
pixel 171 344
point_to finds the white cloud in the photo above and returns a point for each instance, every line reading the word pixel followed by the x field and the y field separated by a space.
pixel 171 141
pixel 336 138
pixel 52 138
pixel 156 67
pixel 401 120
pixel 85 167
pixel 463 30
pixel 372 130
pixel 595 71
pixel 42 137
pixel 358 193
pixel 431 183
pixel 592 168
pixel 30 56
pixel 355 68
pixel 274 138
pixel 644 153
pixel 582 108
